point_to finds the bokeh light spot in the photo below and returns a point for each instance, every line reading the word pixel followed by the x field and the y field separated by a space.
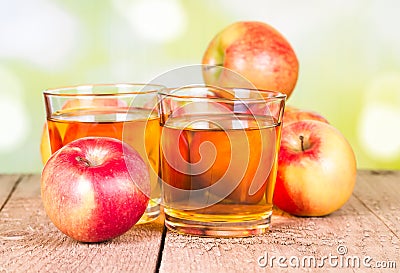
pixel 156 20
pixel 10 84
pixel 378 126
pixel 379 131
pixel 38 31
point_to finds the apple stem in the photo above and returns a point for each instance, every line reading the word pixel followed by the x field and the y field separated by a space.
pixel 302 142
pixel 83 160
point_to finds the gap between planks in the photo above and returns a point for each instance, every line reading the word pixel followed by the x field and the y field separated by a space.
pixel 8 185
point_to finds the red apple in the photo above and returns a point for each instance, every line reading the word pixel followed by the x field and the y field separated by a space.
pixel 257 52
pixel 316 169
pixel 95 188
pixel 293 114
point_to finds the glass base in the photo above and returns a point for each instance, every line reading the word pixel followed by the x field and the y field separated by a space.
pixel 245 228
pixel 152 212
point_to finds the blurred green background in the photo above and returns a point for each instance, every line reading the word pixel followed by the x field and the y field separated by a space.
pixel 349 54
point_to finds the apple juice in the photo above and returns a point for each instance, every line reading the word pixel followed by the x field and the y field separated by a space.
pixel 132 125
pixel 218 168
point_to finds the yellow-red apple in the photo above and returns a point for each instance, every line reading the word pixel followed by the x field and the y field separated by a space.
pixel 45 148
pixel 316 169
pixel 293 114
pixel 256 51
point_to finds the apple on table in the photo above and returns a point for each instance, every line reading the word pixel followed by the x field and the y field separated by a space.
pixel 95 188
pixel 255 51
pixel 317 169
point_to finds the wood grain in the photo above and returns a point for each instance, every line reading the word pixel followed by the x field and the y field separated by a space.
pixel 31 243
pixel 361 227
pixel 7 183
pixel 366 226
pixel 380 193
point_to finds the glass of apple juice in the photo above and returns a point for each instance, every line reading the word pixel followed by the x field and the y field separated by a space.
pixel 124 111
pixel 218 151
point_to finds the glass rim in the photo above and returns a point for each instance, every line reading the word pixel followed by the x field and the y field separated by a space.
pixel 166 92
pixel 62 91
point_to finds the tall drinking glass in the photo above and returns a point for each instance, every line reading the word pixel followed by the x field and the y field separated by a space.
pixel 219 149
pixel 127 112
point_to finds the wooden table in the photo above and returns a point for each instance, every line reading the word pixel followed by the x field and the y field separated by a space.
pixel 365 230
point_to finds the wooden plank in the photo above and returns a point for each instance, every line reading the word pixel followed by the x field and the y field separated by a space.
pixel 354 229
pixel 380 193
pixel 7 183
pixel 29 242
